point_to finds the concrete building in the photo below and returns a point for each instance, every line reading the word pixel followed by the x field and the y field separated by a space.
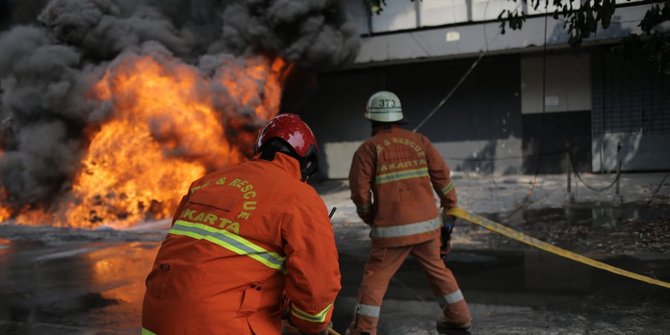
pixel 528 97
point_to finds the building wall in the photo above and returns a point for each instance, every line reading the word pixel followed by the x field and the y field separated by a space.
pixel 521 108
pixel 631 109
pixel 465 39
pixel 555 82
pixel 479 124
pixel 556 111
pixel 398 15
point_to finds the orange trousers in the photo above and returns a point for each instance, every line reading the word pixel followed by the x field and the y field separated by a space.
pixel 383 263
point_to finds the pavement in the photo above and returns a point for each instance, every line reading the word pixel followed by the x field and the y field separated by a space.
pixel 69 281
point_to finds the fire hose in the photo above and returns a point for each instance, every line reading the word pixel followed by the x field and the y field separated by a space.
pixel 533 242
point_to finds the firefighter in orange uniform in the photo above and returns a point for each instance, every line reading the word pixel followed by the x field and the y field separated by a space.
pixel 392 179
pixel 243 239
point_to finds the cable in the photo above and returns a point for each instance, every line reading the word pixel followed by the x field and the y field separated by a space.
pixel 593 188
pixel 657 189
pixel 467 73
pixel 460 81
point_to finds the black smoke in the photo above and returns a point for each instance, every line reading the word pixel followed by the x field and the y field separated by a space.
pixel 52 52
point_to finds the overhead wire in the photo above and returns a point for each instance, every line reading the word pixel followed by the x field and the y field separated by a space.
pixel 451 92
pixel 467 73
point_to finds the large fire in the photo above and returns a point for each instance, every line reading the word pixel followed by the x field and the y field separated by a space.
pixel 5 213
pixel 166 130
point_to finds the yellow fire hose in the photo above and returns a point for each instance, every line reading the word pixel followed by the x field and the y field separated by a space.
pixel 533 242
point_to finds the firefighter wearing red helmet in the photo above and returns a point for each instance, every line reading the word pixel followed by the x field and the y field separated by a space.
pixel 392 178
pixel 244 240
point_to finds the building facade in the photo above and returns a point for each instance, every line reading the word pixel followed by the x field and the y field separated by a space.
pixel 527 102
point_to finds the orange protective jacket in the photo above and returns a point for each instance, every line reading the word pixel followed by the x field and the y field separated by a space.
pixel 399 169
pixel 241 238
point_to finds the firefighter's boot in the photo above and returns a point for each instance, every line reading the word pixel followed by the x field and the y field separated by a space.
pixel 444 327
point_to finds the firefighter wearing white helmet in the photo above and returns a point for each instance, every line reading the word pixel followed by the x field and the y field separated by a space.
pixel 393 177
pixel 384 106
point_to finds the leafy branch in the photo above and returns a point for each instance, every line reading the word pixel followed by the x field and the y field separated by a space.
pixel 582 19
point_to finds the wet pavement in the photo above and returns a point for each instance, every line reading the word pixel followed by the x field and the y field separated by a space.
pixel 520 291
pixel 73 287
pixel 56 286
pixel 67 281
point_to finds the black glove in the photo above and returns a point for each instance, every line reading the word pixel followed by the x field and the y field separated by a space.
pixel 448 223
pixel 366 217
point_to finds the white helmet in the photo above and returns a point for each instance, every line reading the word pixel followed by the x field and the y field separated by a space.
pixel 384 106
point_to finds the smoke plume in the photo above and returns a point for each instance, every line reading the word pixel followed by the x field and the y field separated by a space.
pixel 54 53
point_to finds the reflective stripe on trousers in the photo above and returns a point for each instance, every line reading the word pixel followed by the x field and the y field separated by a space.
pixel 407 229
pixel 452 298
pixel 368 310
pixel 230 241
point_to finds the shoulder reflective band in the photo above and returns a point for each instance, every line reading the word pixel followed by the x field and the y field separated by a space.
pixel 230 241
pixel 401 175
pixel 368 310
pixel 318 317
pixel 448 188
pixel 406 230
pixel 147 332
pixel 511 233
pixel 452 298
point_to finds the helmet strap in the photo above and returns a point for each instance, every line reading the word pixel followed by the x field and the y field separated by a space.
pixel 308 165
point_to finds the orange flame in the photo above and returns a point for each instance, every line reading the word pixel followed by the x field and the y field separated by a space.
pixel 5 213
pixel 164 133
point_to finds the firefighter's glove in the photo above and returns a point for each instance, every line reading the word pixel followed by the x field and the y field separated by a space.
pixel 365 214
pixel 448 222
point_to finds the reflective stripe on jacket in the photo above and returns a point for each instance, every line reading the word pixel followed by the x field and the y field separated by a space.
pixel 240 238
pixel 400 170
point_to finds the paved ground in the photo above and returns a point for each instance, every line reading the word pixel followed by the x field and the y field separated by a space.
pixel 64 281
pixel 513 289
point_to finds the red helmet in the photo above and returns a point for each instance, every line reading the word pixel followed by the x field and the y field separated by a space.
pixel 291 129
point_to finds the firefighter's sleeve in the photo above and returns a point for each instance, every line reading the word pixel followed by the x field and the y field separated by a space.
pixel 361 177
pixel 440 177
pixel 312 267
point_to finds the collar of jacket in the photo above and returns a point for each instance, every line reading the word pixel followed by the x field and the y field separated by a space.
pixel 381 129
pixel 284 162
